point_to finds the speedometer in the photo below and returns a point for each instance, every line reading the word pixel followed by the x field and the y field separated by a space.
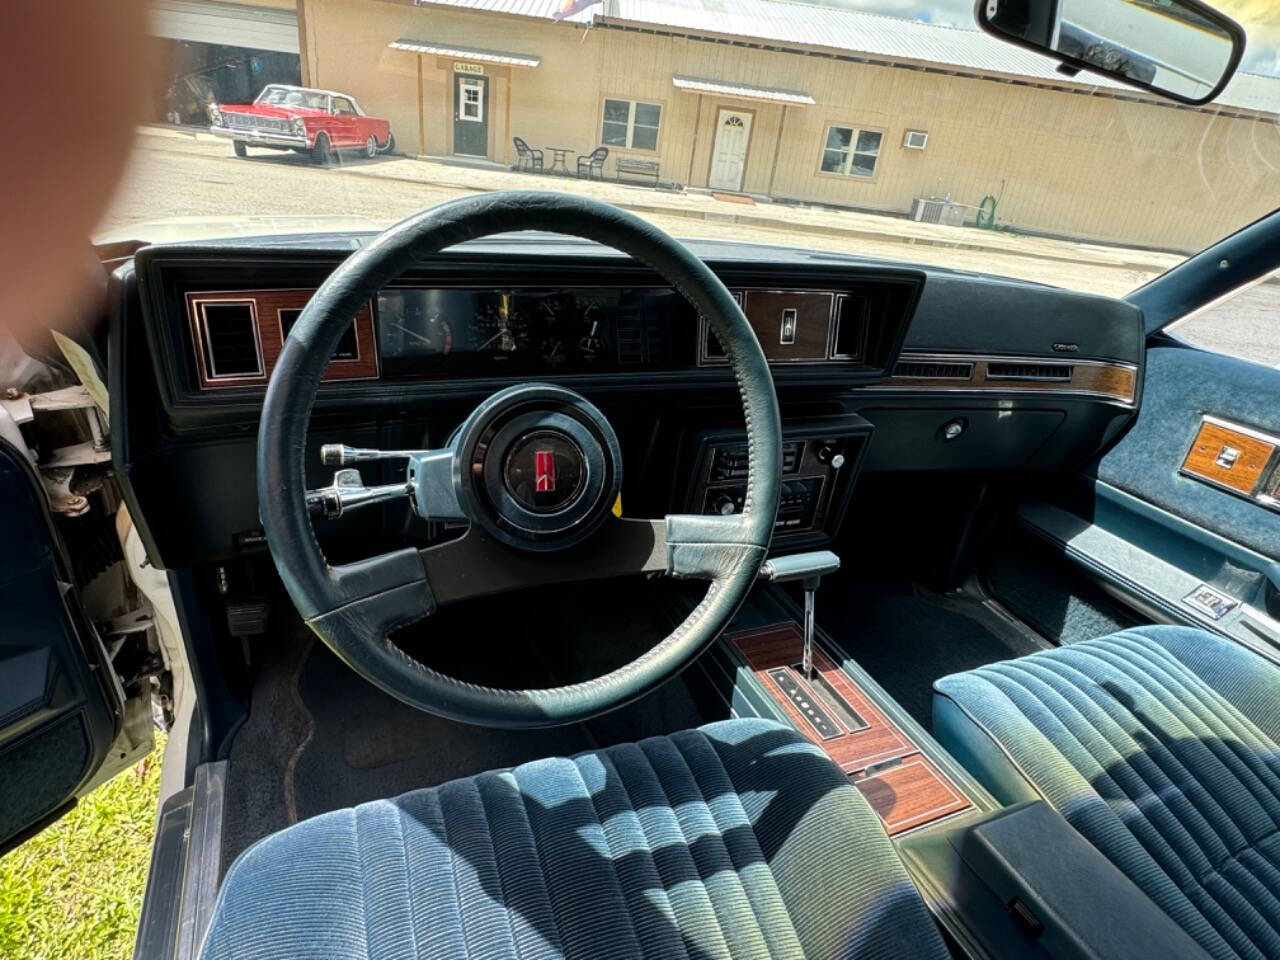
pixel 500 327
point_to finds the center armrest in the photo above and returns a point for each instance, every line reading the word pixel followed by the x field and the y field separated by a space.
pixel 1064 893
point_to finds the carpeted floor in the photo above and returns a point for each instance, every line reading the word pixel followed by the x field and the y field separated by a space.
pixel 906 636
pixel 320 738
pixel 263 747
pixel 1038 585
pixel 368 745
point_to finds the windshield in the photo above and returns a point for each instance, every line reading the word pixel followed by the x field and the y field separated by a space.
pixel 283 96
pixel 890 129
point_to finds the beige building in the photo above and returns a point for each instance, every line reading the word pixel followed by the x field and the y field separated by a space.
pixel 798 102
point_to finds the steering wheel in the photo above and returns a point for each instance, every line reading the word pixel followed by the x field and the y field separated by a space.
pixel 535 469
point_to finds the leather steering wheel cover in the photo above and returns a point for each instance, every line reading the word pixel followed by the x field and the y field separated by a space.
pixel 331 600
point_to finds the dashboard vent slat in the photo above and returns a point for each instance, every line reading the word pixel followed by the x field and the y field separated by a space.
pixel 932 370
pixel 1021 370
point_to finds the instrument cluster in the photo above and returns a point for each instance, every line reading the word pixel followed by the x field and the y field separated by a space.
pixel 499 332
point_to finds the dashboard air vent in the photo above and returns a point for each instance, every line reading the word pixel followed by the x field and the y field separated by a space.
pixel 1004 370
pixel 932 370
pixel 230 348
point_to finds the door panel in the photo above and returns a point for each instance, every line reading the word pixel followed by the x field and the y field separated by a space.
pixel 343 123
pixel 471 115
pixel 729 156
pixel 1183 385
pixel 1174 546
pixel 58 709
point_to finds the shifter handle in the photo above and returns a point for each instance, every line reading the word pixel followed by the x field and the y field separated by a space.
pixel 800 566
pixel 809 568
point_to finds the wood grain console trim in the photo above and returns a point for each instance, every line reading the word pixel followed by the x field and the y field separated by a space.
pixel 780 646
pixel 267 306
pixel 1230 456
pixel 902 786
pixel 1104 379
pixel 910 794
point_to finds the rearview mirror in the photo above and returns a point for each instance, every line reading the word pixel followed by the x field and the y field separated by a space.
pixel 1181 49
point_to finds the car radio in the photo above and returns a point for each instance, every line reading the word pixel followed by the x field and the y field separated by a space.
pixel 820 461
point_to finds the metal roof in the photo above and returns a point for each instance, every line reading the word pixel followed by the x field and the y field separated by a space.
pixel 466 53
pixel 572 11
pixel 848 33
pixel 742 91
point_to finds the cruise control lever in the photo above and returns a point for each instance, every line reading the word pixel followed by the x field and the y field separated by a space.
pixel 809 568
pixel 340 455
pixel 348 492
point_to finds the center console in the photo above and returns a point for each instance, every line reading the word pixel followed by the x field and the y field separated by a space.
pixel 904 787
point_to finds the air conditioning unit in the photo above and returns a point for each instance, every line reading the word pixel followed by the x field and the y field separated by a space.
pixel 915 139
pixel 938 210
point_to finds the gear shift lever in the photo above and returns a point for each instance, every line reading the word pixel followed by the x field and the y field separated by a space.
pixel 809 568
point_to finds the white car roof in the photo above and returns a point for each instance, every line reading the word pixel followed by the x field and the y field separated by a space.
pixel 327 93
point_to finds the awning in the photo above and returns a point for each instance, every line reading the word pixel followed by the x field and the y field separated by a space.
pixel 742 91
pixel 467 53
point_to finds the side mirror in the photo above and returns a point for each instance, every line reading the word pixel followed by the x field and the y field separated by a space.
pixel 1181 49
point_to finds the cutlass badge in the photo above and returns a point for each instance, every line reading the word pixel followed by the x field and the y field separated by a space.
pixel 544 471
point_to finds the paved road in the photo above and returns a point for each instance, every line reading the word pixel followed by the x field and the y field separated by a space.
pixel 1247 326
pixel 177 175
pixel 173 174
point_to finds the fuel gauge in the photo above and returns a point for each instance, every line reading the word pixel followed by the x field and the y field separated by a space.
pixel 553 352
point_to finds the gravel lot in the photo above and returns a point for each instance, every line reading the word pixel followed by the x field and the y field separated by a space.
pixel 178 174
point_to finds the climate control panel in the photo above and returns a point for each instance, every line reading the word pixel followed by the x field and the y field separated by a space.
pixel 820 460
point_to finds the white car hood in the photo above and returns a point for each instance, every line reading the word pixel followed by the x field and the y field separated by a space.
pixel 191 229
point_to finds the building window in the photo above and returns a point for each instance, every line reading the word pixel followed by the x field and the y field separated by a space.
pixel 471 107
pixel 851 151
pixel 629 123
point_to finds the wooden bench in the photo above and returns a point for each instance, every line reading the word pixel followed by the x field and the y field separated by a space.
pixel 639 168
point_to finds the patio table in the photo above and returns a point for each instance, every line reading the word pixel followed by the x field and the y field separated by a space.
pixel 558 157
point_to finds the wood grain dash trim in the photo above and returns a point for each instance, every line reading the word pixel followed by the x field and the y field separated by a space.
pixel 1106 380
pixel 267 305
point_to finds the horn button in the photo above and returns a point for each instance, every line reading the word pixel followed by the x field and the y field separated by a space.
pixel 539 467
pixel 545 471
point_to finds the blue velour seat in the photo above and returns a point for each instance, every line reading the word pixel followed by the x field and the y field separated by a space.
pixel 1159 745
pixel 740 839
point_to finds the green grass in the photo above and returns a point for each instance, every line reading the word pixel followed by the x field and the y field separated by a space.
pixel 76 889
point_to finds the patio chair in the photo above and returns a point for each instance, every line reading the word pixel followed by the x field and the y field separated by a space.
pixel 527 158
pixel 592 165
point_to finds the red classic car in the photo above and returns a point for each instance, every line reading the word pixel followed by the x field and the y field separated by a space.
pixel 318 122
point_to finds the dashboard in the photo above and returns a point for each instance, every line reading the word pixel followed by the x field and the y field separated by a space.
pixel 414 332
pixel 879 367
pixel 486 332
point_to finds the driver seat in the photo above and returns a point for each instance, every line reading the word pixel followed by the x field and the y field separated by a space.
pixel 738 839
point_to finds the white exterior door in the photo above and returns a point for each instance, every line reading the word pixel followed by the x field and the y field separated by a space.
pixel 729 156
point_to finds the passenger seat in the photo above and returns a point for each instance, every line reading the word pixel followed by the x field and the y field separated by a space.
pixel 1157 744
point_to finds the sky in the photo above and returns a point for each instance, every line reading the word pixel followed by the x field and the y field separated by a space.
pixel 1260 19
